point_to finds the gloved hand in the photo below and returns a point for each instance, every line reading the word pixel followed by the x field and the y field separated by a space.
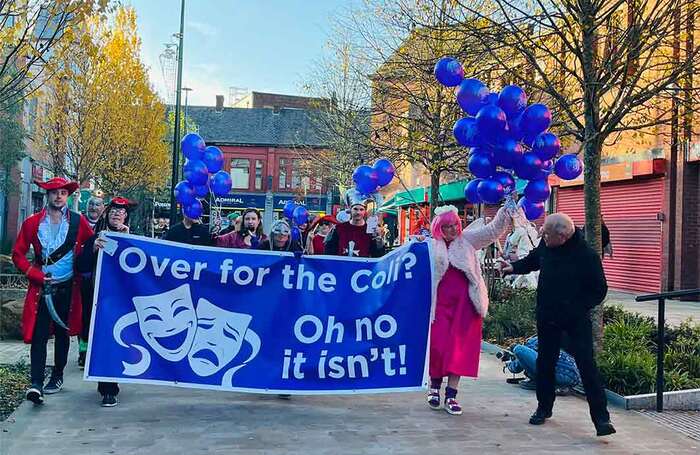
pixel 36 276
pixel 254 242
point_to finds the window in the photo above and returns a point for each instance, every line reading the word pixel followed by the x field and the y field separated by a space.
pixel 283 174
pixel 240 172
pixel 296 173
pixel 258 174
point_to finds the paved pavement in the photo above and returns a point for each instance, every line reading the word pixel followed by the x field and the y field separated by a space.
pixel 168 420
pixel 676 311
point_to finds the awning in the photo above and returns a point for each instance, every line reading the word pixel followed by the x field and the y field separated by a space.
pixel 453 191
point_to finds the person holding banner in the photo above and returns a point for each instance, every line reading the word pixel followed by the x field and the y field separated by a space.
pixel 281 239
pixel 114 219
pixel 461 299
pixel 318 233
pixel 358 237
pixel 190 231
pixel 248 236
pixel 53 299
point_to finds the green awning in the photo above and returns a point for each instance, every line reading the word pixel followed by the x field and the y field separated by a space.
pixel 453 191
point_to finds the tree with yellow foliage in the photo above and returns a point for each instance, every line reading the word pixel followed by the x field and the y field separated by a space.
pixel 104 123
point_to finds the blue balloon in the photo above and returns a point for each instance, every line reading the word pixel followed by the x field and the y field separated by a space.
pixel 193 210
pixel 220 183
pixel 533 210
pixel 490 191
pixel 300 215
pixel 470 191
pixel 201 191
pixel 529 166
pixel 515 130
pixel 546 146
pixel 366 179
pixel 546 169
pixel 192 146
pixel 512 100
pixel 184 193
pixel 491 121
pixel 505 179
pixel 288 210
pixel 536 119
pixel 537 191
pixel 492 98
pixel 465 132
pixel 385 171
pixel 471 95
pixel 213 158
pixel 481 165
pixel 195 172
pixel 568 166
pixel 449 72
pixel 508 153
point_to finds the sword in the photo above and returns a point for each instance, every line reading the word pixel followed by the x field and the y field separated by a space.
pixel 48 299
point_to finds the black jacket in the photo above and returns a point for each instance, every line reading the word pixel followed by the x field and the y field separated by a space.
pixel 571 279
pixel 198 234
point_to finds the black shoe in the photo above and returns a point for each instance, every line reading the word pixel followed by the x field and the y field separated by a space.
pixel 81 360
pixel 539 416
pixel 109 401
pixel 604 429
pixel 34 394
pixel 54 386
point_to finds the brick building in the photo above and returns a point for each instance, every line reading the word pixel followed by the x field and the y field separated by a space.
pixel 263 151
pixel 261 100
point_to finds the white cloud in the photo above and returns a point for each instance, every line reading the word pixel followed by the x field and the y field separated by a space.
pixel 203 29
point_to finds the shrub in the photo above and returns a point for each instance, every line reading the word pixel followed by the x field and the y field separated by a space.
pixel 511 315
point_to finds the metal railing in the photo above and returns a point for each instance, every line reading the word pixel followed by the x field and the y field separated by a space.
pixel 660 340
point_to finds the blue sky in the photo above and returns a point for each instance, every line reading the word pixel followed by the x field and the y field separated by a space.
pixel 262 45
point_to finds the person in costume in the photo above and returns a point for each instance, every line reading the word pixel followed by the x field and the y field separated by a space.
pixel 281 239
pixel 53 302
pixel 318 232
pixel 114 219
pixel 352 238
pixel 248 236
pixel 94 209
pixel 461 300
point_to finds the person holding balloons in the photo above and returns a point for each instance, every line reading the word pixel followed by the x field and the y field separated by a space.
pixel 190 231
pixel 461 299
pixel 248 236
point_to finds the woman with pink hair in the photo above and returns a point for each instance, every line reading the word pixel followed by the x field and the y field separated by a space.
pixel 461 299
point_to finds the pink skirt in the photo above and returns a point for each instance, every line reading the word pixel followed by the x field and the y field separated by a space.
pixel 455 335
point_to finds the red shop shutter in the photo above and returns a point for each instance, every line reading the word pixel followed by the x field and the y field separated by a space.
pixel 629 209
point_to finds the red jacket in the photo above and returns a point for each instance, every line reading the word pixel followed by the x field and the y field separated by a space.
pixel 28 236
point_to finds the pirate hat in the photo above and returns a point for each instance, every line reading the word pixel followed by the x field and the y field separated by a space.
pixel 122 202
pixel 58 183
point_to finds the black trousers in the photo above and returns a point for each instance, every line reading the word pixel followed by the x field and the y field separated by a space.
pixel 86 293
pixel 549 332
pixel 61 301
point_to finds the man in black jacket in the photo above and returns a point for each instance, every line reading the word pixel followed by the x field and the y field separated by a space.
pixel 571 283
pixel 191 232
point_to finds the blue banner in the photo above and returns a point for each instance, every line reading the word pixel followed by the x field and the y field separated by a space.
pixel 259 321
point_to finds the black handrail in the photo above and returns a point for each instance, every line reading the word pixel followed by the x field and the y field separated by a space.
pixel 660 335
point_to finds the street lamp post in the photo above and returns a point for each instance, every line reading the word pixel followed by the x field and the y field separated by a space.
pixel 187 91
pixel 176 134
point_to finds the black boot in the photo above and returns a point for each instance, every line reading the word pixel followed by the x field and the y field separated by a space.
pixel 540 416
pixel 604 428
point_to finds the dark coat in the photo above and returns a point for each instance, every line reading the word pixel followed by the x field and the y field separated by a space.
pixel 571 280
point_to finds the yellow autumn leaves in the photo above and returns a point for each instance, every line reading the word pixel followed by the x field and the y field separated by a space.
pixel 102 120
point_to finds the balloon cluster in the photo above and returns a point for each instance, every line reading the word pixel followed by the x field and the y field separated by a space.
pixel 297 215
pixel 507 139
pixel 203 173
pixel 369 179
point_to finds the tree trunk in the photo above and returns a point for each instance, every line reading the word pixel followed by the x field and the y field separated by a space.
pixel 434 191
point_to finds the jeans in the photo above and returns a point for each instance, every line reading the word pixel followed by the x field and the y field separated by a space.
pixel 528 360
pixel 62 294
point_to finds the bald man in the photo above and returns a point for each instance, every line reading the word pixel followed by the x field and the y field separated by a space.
pixel 571 283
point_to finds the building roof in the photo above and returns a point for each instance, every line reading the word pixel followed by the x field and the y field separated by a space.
pixel 265 127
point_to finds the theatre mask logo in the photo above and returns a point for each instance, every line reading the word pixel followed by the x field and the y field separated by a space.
pixel 170 325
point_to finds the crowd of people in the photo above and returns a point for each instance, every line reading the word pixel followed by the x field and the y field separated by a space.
pixel 570 283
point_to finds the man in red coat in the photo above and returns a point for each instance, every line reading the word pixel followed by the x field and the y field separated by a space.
pixel 355 238
pixel 53 300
